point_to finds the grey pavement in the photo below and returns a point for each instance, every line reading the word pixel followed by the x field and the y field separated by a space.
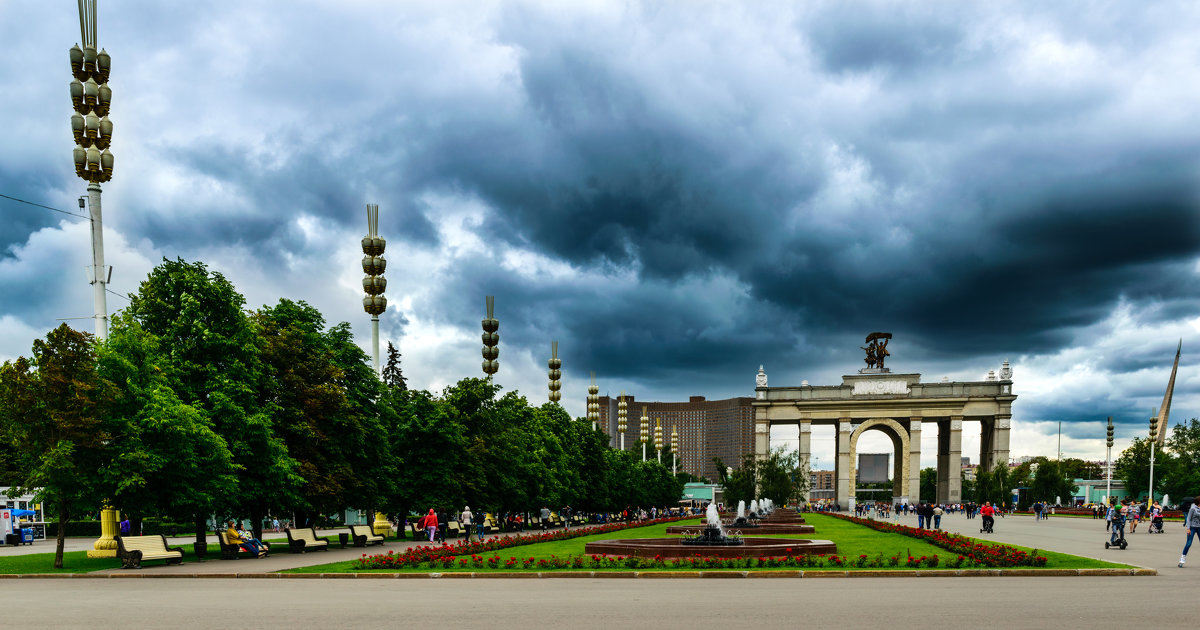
pixel 1080 537
pixel 682 603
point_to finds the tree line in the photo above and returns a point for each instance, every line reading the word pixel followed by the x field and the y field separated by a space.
pixel 196 407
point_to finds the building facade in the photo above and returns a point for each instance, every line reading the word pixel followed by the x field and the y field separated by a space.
pixel 707 429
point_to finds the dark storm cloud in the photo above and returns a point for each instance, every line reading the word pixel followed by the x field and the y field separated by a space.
pixel 629 183
pixel 847 39
pixel 725 185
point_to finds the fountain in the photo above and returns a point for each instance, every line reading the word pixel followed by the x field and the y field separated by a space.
pixel 762 518
pixel 712 541
pixel 714 533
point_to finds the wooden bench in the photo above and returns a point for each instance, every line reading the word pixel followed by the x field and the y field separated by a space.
pixel 363 536
pixel 132 550
pixel 453 529
pixel 230 552
pixel 490 527
pixel 301 539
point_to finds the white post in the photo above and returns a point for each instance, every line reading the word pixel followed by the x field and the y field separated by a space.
pixel 1108 475
pixel 99 271
pixel 1150 497
pixel 622 440
pixel 375 341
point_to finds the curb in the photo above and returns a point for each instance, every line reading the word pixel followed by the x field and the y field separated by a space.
pixel 643 575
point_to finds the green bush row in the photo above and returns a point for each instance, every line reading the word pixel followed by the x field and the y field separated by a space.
pixel 149 527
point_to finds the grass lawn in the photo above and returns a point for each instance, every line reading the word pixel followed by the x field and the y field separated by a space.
pixel 852 541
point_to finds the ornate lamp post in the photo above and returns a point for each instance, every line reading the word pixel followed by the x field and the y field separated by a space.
pixel 374 303
pixel 593 403
pixel 92 130
pixel 658 438
pixel 645 431
pixel 1153 442
pixel 621 418
pixel 90 98
pixel 674 448
pixel 491 339
pixel 1108 464
pixel 374 284
pixel 555 373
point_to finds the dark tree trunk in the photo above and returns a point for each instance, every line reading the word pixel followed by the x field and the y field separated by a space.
pixel 256 518
pixel 64 518
pixel 201 532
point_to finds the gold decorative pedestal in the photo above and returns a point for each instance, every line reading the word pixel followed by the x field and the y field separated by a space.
pixel 381 526
pixel 106 545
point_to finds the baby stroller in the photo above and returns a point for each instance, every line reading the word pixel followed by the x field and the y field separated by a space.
pixel 1118 533
pixel 1156 524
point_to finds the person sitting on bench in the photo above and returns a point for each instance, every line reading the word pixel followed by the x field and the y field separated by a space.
pixel 247 543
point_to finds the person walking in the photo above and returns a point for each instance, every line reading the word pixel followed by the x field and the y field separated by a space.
pixel 465 519
pixel 431 524
pixel 937 517
pixel 544 517
pixel 1191 522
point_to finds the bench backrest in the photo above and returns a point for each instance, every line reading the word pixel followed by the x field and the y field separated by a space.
pixel 145 544
pixel 303 533
pixel 363 530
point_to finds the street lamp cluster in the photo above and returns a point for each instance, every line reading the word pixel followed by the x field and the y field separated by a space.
pixel 593 403
pixel 555 373
pixel 491 339
pixel 374 284
pixel 622 417
pixel 91 98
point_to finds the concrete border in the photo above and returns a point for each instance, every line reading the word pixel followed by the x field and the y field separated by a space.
pixel 727 574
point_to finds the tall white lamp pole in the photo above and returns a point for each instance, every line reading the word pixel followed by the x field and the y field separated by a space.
pixel 1153 443
pixel 90 98
pixel 1108 464
pixel 374 284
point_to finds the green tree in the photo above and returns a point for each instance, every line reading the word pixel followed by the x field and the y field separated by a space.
pixel 778 477
pixel 393 377
pixel 167 458
pixel 1133 466
pixel 1050 485
pixel 322 392
pixel 1183 480
pixel 214 366
pixel 52 410
pixel 929 484
pixel 1075 468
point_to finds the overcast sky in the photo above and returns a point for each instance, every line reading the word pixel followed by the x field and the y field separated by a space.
pixel 676 192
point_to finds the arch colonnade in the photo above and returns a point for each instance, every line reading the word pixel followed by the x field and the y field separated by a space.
pixel 902 407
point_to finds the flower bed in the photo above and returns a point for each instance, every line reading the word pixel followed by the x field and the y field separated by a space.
pixel 969 551
pixel 433 556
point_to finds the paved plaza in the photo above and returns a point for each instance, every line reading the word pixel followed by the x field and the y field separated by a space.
pixel 620 602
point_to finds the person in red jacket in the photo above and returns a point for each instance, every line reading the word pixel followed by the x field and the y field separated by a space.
pixel 431 524
pixel 988 513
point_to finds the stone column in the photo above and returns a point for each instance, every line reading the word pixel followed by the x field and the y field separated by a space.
pixel 844 492
pixel 949 488
pixel 1000 432
pixel 986 433
pixel 914 460
pixel 762 435
pixel 804 449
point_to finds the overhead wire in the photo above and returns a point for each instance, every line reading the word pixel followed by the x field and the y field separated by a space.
pixel 74 214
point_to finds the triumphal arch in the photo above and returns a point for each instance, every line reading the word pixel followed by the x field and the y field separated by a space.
pixel 900 406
